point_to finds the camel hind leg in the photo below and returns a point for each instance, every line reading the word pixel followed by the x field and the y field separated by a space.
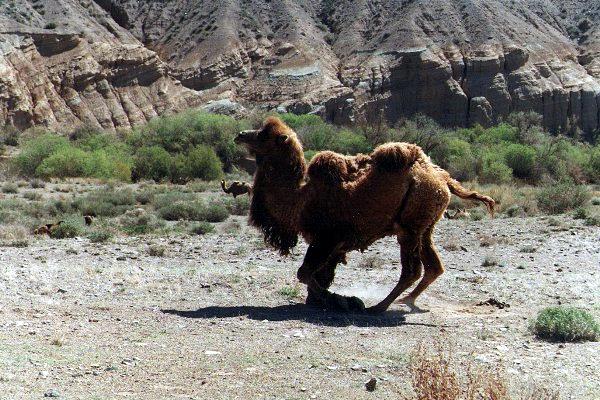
pixel 411 270
pixel 433 269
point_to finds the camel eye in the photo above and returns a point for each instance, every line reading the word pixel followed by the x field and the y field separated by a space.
pixel 263 136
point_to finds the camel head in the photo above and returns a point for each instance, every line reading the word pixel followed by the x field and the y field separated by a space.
pixel 274 137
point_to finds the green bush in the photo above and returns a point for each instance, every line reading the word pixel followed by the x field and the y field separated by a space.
pixel 36 150
pixel 494 170
pixel 67 229
pixel 204 163
pixel 181 172
pixel 565 196
pixel 100 236
pixel 592 167
pixel 202 228
pixel 189 129
pixel 139 222
pixel 106 202
pixel 215 212
pixel 521 159
pixel 190 211
pixel 66 162
pixel 237 206
pixel 565 324
pixel 10 187
pixel 151 162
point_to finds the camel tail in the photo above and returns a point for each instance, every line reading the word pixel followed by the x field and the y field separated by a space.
pixel 457 189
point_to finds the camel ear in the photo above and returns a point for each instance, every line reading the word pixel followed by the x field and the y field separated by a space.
pixel 281 139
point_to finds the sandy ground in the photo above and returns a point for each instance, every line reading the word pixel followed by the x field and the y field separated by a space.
pixel 209 319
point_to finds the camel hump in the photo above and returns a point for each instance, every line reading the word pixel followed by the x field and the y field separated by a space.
pixel 328 167
pixel 396 156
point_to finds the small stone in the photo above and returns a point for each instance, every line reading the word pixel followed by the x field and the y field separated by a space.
pixel 356 367
pixel 212 353
pixel 371 384
pixel 43 374
pixel 52 393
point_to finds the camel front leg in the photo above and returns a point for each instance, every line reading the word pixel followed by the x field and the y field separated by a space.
pixel 318 272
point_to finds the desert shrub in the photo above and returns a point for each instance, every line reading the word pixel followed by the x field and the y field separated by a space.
pixel 177 133
pixel 10 187
pixel 309 154
pixel 237 206
pixel 100 236
pixel 32 196
pixel 151 162
pixel 596 201
pixel 456 156
pixel 214 212
pixel 138 222
pixel 580 213
pixel 592 167
pixel 145 196
pixel 181 172
pixel 346 141
pixel 202 228
pixel 66 162
pixel 521 159
pixel 105 202
pixel 181 210
pixel 37 184
pixel 9 136
pixel 50 25
pixel 156 250
pixel 36 150
pixel 203 163
pixel 161 200
pixel 592 220
pixel 494 170
pixel 69 228
pixel 565 196
pixel 565 324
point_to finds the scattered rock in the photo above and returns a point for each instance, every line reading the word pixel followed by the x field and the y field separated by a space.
pixel 371 384
pixel 52 393
pixel 494 303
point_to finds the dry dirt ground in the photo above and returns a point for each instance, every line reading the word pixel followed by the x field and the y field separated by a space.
pixel 212 317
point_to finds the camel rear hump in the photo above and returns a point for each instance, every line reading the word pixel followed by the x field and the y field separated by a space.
pixel 396 156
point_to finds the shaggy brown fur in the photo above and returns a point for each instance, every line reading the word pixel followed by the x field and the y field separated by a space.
pixel 339 204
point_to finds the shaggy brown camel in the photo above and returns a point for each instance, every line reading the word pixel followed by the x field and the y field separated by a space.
pixel 340 203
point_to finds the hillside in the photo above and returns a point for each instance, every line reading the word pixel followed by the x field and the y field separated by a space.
pixel 117 63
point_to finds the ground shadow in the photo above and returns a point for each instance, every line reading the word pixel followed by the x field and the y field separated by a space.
pixel 299 312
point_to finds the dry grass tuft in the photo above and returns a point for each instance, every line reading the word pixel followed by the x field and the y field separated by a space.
pixel 436 376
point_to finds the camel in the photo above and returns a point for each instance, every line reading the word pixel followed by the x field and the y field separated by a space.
pixel 342 203
pixel 46 229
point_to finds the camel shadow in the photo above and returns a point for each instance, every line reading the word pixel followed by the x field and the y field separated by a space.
pixel 299 312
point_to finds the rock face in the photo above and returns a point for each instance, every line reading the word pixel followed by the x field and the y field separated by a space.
pixel 117 63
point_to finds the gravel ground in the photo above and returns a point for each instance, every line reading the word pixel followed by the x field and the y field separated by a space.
pixel 210 318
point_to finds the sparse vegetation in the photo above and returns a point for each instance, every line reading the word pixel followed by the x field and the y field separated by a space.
pixel 202 228
pixel 69 228
pixel 290 292
pixel 566 324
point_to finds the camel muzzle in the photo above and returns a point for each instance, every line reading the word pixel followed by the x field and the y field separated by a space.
pixel 245 136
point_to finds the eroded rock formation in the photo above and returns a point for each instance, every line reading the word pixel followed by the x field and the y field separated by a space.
pixel 117 63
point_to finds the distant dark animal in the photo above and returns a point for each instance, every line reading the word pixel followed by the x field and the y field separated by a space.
pixel 340 203
pixel 88 219
pixel 460 213
pixel 236 188
pixel 46 229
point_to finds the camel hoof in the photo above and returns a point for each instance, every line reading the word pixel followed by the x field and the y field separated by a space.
pixel 374 310
pixel 355 304
pixel 413 308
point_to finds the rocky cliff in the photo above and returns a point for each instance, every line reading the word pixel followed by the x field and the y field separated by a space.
pixel 119 62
